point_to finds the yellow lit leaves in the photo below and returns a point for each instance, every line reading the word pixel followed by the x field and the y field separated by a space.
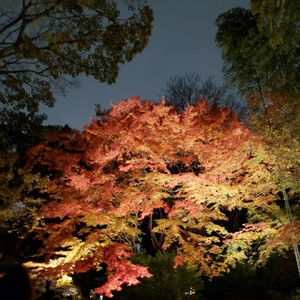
pixel 146 170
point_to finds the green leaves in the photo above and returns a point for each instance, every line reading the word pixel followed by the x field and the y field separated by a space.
pixel 252 62
pixel 280 21
pixel 237 37
pixel 166 283
pixel 47 44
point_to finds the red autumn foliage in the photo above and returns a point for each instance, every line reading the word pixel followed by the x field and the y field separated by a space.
pixel 146 163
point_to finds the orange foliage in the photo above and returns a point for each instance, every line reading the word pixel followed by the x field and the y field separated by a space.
pixel 141 158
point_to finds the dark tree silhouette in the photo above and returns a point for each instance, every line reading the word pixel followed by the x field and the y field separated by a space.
pixel 184 90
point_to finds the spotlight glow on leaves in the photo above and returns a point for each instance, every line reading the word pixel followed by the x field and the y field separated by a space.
pixel 141 162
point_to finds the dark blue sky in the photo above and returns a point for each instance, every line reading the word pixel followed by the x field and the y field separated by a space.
pixel 182 41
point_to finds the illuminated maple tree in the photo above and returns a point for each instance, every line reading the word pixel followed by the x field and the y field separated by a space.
pixel 144 168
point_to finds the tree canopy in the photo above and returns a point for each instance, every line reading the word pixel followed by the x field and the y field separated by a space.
pixel 280 20
pixel 260 48
pixel 259 54
pixel 45 44
pixel 144 169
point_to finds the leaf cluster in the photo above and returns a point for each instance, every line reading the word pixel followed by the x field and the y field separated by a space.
pixel 144 169
pixel 46 44
pixel 257 56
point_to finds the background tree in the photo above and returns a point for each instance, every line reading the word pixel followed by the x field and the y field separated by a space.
pixel 145 167
pixel 279 124
pixel 44 44
pixel 185 90
pixel 280 21
pixel 241 44
pixel 277 279
pixel 260 49
pixel 254 58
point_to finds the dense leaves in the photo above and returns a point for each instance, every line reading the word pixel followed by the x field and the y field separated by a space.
pixel 21 192
pixel 258 50
pixel 276 280
pixel 280 20
pixel 44 45
pixel 279 123
pixel 43 41
pixel 166 283
pixel 237 37
pixel 144 168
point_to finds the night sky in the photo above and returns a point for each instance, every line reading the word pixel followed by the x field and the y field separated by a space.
pixel 182 41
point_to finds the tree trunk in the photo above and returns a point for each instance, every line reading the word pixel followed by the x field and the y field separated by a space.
pixel 290 218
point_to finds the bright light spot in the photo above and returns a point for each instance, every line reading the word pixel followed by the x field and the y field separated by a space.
pixel 191 291
pixel 64 280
